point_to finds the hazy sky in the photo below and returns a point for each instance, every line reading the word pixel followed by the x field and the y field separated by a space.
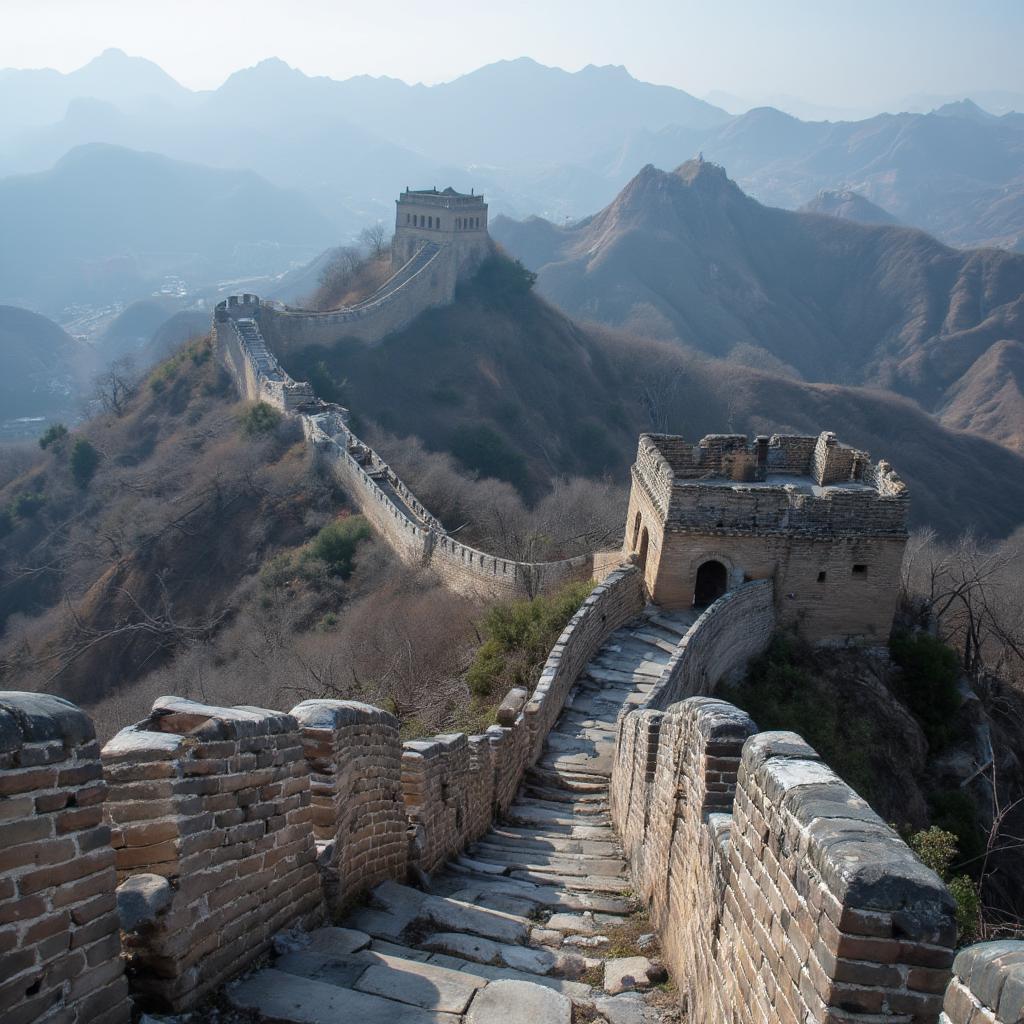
pixel 839 53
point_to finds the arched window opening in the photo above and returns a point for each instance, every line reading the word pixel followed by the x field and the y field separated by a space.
pixel 712 583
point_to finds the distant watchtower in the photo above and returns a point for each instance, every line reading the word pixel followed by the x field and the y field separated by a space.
pixel 447 217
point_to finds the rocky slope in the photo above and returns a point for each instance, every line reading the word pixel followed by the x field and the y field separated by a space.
pixel 687 255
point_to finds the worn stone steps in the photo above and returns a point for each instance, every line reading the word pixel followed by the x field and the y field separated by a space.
pixel 491 942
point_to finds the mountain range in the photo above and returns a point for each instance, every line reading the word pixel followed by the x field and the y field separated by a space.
pixel 686 255
pixel 536 139
pixel 108 223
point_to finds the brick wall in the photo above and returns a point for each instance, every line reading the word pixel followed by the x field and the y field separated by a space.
pixel 612 603
pixel 778 893
pixel 354 757
pixel 431 285
pixel 60 957
pixel 215 801
pixel 736 628
pixel 987 985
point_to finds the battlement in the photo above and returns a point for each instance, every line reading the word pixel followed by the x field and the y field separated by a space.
pixel 782 482
pixel 447 199
pixel 819 518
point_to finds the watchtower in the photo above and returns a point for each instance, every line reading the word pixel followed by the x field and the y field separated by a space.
pixel 443 218
pixel 821 520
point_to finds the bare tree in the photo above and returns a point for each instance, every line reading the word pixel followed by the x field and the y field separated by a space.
pixel 114 387
pixel 972 594
pixel 375 239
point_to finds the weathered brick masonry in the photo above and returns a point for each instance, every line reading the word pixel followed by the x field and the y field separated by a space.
pixel 216 803
pixel 354 757
pixel 819 519
pixel 779 894
pixel 60 957
pixel 987 985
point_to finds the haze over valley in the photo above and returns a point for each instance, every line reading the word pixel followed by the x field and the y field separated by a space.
pixel 511 513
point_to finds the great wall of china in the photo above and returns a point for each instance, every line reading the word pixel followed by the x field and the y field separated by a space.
pixel 312 867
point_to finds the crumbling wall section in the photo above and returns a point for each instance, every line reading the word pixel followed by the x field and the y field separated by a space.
pixel 213 806
pixel 354 757
pixel 60 956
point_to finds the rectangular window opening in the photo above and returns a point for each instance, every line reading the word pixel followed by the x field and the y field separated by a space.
pixel 821 576
pixel 860 570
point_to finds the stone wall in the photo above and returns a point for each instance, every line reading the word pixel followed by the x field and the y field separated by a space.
pixel 779 895
pixel 427 282
pixel 736 628
pixel 987 985
pixel 616 600
pixel 416 536
pixel 821 521
pixel 60 956
pixel 212 806
pixel 354 756
pixel 241 349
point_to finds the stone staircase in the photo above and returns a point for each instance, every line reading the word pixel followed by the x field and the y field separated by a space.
pixel 515 930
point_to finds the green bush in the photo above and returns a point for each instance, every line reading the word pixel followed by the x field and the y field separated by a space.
pixel 954 811
pixel 784 689
pixel 260 418
pixel 500 277
pixel 27 504
pixel 937 849
pixel 518 637
pixel 324 384
pixel 84 460
pixel 928 684
pixel 335 545
pixel 54 435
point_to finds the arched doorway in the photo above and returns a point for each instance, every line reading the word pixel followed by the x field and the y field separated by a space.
pixel 712 583
pixel 636 531
pixel 641 556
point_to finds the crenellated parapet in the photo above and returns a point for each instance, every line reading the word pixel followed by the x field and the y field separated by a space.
pixel 60 956
pixel 819 519
pixel 778 893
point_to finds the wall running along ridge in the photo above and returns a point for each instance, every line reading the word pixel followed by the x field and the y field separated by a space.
pixel 416 536
pixel 736 628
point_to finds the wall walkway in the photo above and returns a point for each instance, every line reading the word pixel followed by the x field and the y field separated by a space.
pixel 411 531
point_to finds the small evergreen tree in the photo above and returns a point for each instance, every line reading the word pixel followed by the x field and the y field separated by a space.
pixel 54 436
pixel 84 460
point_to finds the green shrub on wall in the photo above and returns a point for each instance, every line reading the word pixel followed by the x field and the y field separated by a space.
pixel 517 638
pixel 259 418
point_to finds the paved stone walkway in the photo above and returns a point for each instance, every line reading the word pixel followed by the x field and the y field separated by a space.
pixel 535 922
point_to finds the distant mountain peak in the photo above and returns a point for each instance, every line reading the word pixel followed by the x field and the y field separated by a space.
pixel 966 108
pixel 847 204
pixel 699 171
